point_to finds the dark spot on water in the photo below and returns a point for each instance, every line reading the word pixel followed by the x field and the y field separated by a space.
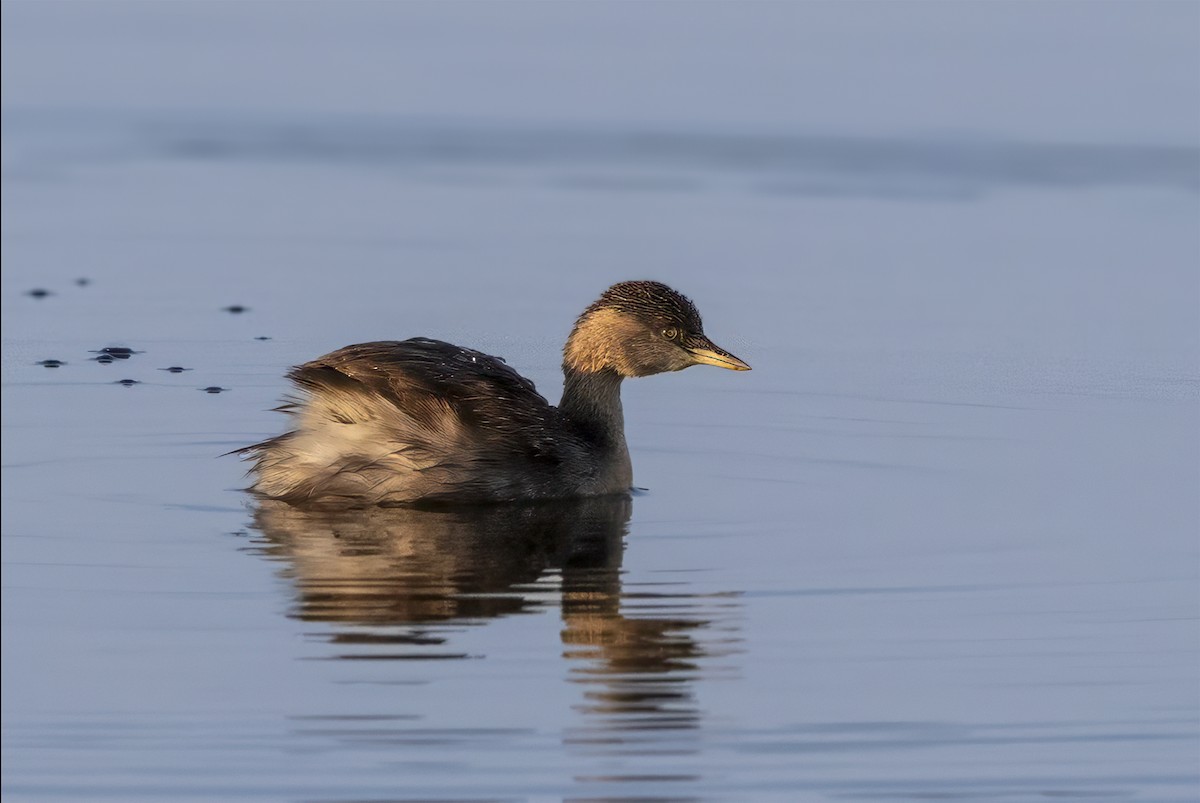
pixel 113 353
pixel 262 337
pixel 213 389
pixel 127 382
pixel 38 292
pixel 237 309
pixel 51 363
pixel 83 281
pixel 175 369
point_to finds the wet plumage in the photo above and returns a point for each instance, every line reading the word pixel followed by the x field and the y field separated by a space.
pixel 424 422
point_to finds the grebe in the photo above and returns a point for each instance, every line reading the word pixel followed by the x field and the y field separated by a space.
pixel 420 421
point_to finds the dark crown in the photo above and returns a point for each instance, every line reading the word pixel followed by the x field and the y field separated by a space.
pixel 652 302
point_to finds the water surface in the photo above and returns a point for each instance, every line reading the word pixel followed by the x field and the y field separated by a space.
pixel 940 543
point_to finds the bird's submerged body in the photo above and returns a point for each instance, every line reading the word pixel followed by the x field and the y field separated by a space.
pixel 425 422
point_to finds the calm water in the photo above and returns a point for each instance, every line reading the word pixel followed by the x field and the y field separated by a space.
pixel 940 543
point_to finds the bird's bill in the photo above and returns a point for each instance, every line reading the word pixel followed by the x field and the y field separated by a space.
pixel 709 353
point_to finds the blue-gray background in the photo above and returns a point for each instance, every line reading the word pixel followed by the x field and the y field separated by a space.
pixel 941 542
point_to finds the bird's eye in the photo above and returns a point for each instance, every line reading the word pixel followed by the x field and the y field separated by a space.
pixel 671 333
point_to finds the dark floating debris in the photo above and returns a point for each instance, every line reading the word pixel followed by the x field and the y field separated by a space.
pixel 51 363
pixel 262 337
pixel 214 389
pixel 83 281
pixel 110 353
pixel 236 309
pixel 38 292
pixel 175 369
pixel 127 382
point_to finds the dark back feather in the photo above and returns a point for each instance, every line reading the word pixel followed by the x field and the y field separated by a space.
pixel 416 420
pixel 428 379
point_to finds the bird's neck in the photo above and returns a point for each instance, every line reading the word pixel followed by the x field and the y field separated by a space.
pixel 592 401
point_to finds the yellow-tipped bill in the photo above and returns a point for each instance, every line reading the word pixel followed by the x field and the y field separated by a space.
pixel 709 353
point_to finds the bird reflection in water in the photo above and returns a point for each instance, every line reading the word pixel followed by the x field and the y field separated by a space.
pixel 399 581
